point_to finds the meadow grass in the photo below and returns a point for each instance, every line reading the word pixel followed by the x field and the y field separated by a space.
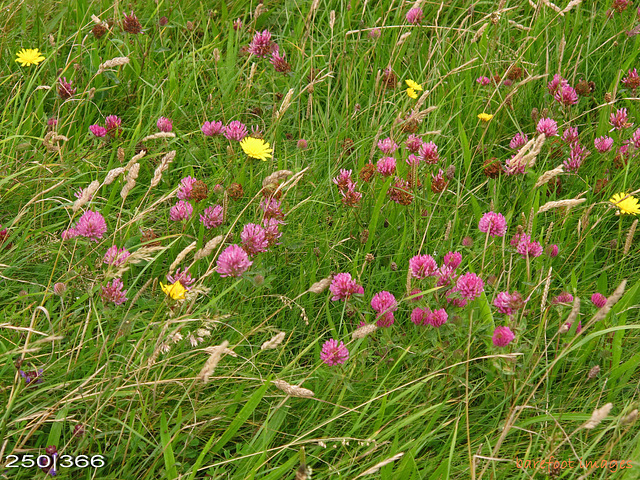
pixel 182 388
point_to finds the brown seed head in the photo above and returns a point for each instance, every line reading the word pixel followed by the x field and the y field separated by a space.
pixel 99 30
pixel 389 78
pixel 347 146
pixel 200 191
pixel 600 184
pixel 593 373
pixel 130 24
pixel 535 114
pixel 492 167
pixel 367 172
pixel 148 236
pixel 608 97
pixel 584 88
pixel 235 191
pixel 514 73
pixel 369 258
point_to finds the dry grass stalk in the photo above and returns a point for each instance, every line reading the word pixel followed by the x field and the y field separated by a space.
pixel 286 103
pixel 545 292
pixel 479 33
pixel 573 315
pixel 213 361
pixel 447 231
pixel 143 254
pixel 418 115
pixel 87 195
pixel 293 390
pixel 547 237
pixel 630 418
pixel 629 241
pixel 527 159
pixel 131 181
pixel 403 38
pixel 598 415
pixel 276 177
pixel 548 175
pixel 561 203
pixel 181 256
pixel 208 248
pixel 378 466
pixel 113 174
pixel 252 72
pixel 320 286
pixel 519 27
pixel 114 62
pixel 164 164
pixel 155 136
pixel 332 19
pixel 135 159
pixel 611 301
pixel 96 20
pixel 274 342
pixel 260 9
pixel 120 154
pixel 364 330
pixel 552 6
pixel 530 222
pixel 51 140
pixel 569 7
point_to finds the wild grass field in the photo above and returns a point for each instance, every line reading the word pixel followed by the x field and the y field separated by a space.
pixel 319 239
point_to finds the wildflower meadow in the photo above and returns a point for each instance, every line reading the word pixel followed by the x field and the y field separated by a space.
pixel 320 239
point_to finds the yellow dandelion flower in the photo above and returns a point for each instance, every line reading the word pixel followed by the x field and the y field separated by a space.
pixel 174 290
pixel 29 56
pixel 485 117
pixel 256 148
pixel 627 206
pixel 412 93
pixel 414 85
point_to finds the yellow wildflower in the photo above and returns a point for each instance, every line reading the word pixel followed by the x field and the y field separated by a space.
pixel 413 85
pixel 174 290
pixel 412 93
pixel 29 56
pixel 627 206
pixel 256 148
pixel 485 117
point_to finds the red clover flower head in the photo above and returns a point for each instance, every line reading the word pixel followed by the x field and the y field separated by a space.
pixel 429 153
pixel 180 211
pixel 413 143
pixel 112 292
pixel 343 179
pixel 210 129
pixel 98 130
pixel 445 275
pixel 412 160
pixel 519 140
pixel 261 45
pixel 419 315
pixel 437 318
pixel 343 287
pixel 414 16
pixel 272 230
pixel 422 266
pixel 552 250
pixel 279 62
pixel 469 286
pixel 494 224
pixel 254 239
pixel 570 135
pixel 598 300
pixel 164 124
pixel 603 144
pixel 186 189
pixel 484 81
pixel 619 120
pixel 528 248
pixel 116 256
pixel 181 276
pixel 557 83
pixel 502 336
pixel 236 130
pixel 564 297
pixel 91 225
pixel 112 123
pixel 65 88
pixel 503 302
pixel 334 353
pixel 566 95
pixel 452 259
pixel 385 304
pixel 548 126
pixel 386 166
pixel 233 262
pixel 387 146
pixel 211 217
